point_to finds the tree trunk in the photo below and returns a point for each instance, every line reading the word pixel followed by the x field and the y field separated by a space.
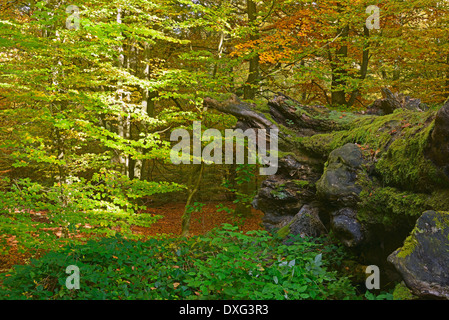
pixel 244 189
pixel 122 120
pixel 363 66
pixel 185 231
pixel 446 89
pixel 250 87
pixel 338 72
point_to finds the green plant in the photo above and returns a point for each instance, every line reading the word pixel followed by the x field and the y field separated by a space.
pixel 224 264
pixel 381 296
pixel 221 207
pixel 46 217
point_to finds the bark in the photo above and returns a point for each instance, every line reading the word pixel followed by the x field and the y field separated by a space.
pixel 122 120
pixel 338 72
pixel 304 120
pixel 146 109
pixel 446 88
pixel 250 87
pixel 186 217
pixel 363 66
pixel 241 110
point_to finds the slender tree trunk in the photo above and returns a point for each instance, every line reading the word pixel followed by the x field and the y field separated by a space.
pixel 58 107
pixel 338 72
pixel 250 87
pixel 187 212
pixel 363 66
pixel 147 109
pixel 446 89
pixel 122 129
pixel 219 52
pixel 245 188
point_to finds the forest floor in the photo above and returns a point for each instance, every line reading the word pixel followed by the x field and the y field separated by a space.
pixel 201 222
pixel 170 225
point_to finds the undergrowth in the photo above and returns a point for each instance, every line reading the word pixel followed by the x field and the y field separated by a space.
pixel 223 264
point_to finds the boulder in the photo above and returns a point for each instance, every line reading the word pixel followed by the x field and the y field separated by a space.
pixel 338 182
pixel 347 228
pixel 278 202
pixel 305 223
pixel 423 261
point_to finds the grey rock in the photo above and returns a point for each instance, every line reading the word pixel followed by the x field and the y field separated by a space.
pixel 423 261
pixel 305 223
pixel 338 182
pixel 347 228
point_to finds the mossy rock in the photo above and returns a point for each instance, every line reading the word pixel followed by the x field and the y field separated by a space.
pixel 397 143
pixel 423 261
pixel 305 223
pixel 402 292
pixel 338 182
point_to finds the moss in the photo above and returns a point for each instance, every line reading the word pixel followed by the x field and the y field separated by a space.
pixel 398 143
pixel 389 205
pixel 279 192
pixel 405 165
pixel 303 183
pixel 410 242
pixel 317 144
pixel 328 119
pixel 409 245
pixel 438 200
pixel 343 119
pixel 284 231
pixel 444 222
pixel 373 131
pixel 380 132
pixel 282 154
pixel 402 292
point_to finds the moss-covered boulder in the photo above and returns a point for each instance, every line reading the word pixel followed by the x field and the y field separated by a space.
pixel 305 223
pixel 402 292
pixel 423 261
pixel 338 184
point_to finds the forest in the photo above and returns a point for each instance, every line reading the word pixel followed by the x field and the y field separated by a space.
pixel 224 150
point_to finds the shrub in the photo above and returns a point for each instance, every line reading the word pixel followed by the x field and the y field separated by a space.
pixel 102 205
